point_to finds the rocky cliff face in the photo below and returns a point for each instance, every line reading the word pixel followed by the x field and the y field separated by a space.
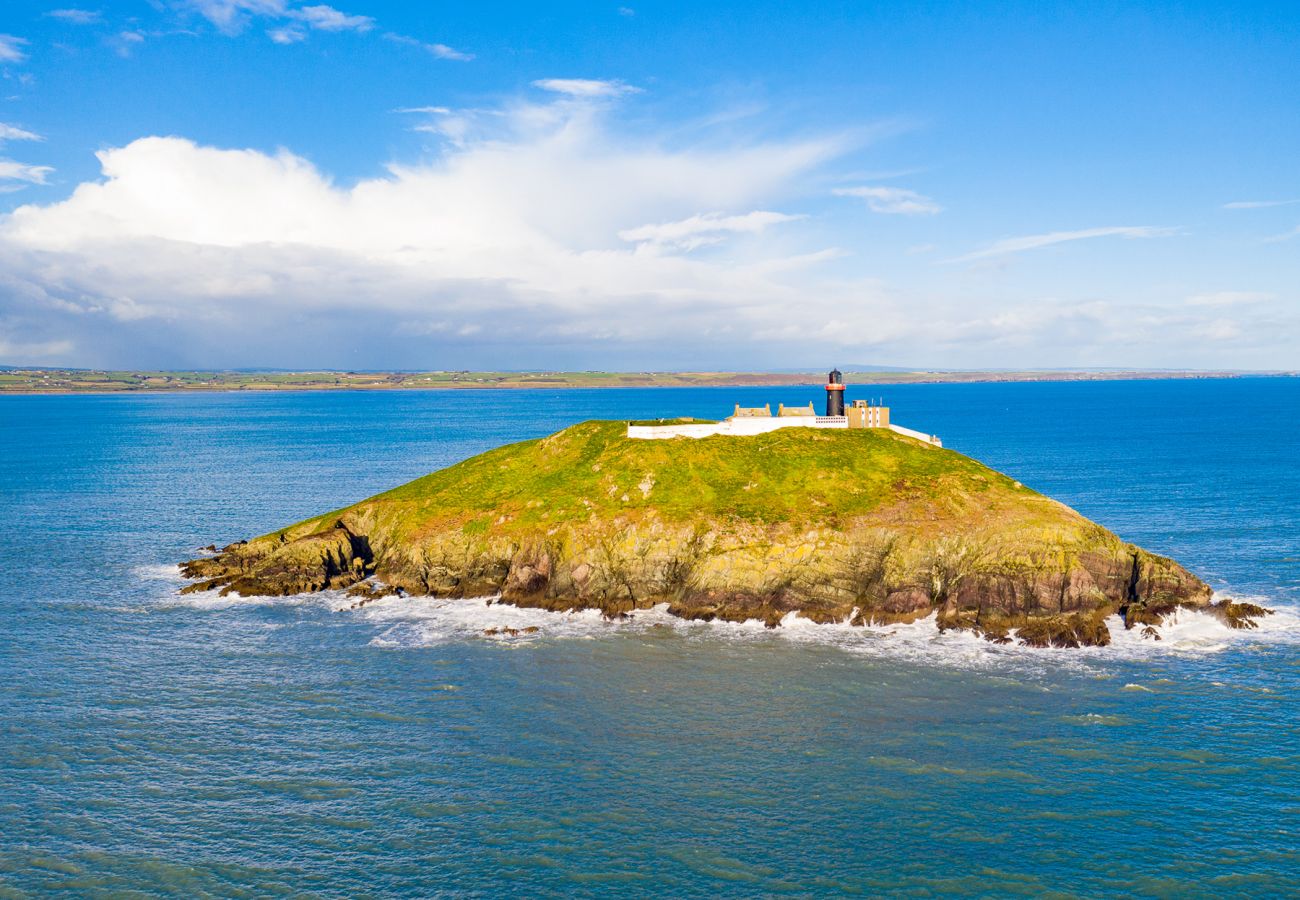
pixel 862 526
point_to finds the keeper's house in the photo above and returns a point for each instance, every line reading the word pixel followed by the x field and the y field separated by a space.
pixel 759 419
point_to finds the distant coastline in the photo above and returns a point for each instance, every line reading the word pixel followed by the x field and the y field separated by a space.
pixel 91 381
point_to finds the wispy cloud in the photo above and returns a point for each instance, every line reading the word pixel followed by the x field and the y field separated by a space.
pixel 77 16
pixel 585 87
pixel 441 51
pixel 11 48
pixel 287 34
pixel 124 43
pixel 232 16
pixel 1258 204
pixel 892 200
pixel 14 133
pixel 1284 236
pixel 327 18
pixel 1035 241
pixel 702 230
pixel 1229 298
pixel 11 170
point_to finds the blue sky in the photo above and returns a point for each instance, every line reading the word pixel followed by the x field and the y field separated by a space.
pixel 216 183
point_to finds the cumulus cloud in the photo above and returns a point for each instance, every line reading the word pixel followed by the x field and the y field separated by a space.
pixel 531 233
pixel 587 88
pixel 1036 241
pixel 892 200
pixel 11 48
pixel 546 235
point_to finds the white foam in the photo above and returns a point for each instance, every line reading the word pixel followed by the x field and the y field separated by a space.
pixel 415 622
pixel 161 572
pixel 423 622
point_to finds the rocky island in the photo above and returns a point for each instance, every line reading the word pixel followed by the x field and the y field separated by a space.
pixel 860 526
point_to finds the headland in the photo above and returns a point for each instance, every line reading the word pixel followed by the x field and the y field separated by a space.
pixel 103 381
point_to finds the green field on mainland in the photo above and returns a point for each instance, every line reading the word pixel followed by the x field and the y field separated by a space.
pixel 78 381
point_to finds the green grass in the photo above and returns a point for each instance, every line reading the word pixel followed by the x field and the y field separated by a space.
pixel 592 471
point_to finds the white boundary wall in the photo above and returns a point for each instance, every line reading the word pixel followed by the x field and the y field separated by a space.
pixel 747 425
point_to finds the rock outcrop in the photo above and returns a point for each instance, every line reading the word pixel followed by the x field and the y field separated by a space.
pixel 837 526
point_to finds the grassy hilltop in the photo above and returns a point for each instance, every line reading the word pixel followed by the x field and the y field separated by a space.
pixel 862 525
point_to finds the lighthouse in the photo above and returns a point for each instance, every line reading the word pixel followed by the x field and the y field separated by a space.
pixel 835 393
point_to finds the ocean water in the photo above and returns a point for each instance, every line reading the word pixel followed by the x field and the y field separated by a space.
pixel 195 746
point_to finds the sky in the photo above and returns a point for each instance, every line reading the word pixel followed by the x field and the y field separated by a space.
pixel 649 186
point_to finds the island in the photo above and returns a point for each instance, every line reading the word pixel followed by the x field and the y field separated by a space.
pixel 846 519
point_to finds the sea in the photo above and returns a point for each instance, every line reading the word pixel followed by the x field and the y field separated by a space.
pixel 154 745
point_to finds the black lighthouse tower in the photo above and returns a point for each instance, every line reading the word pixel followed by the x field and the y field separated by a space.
pixel 835 393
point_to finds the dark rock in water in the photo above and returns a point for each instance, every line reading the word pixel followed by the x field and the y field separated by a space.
pixel 1239 615
pixel 861 526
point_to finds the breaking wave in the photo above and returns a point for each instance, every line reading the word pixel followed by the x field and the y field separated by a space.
pixel 424 622
pixel 419 622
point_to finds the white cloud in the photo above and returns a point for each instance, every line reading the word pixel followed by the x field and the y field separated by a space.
pixel 1284 236
pixel 20 353
pixel 125 42
pixel 287 34
pixel 1230 298
pixel 327 18
pixel 516 232
pixel 1217 330
pixel 547 235
pixel 898 201
pixel 11 48
pixel 441 51
pixel 14 133
pixel 16 171
pixel 1035 241
pixel 702 230
pixel 1258 204
pixel 586 88
pixel 77 16
pixel 231 16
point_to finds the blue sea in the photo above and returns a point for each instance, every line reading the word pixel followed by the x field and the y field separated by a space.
pixel 158 745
